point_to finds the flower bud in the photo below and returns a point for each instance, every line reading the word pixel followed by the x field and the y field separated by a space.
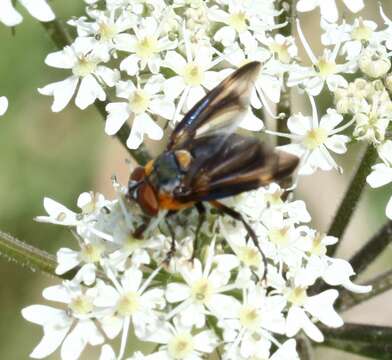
pixel 374 62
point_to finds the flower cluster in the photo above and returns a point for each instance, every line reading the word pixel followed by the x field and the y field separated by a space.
pixel 160 57
pixel 225 299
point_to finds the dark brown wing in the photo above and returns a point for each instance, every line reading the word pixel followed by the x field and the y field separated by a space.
pixel 221 110
pixel 242 164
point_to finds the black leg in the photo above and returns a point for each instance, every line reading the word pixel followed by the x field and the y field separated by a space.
pixel 172 250
pixel 237 216
pixel 138 234
pixel 202 217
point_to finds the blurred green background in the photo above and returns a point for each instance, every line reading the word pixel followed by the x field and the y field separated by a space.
pixel 62 155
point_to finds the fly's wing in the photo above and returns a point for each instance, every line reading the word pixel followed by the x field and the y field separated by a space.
pixel 220 111
pixel 242 164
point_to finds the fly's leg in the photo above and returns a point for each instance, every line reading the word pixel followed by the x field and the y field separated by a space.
pixel 138 234
pixel 237 216
pixel 172 250
pixel 202 218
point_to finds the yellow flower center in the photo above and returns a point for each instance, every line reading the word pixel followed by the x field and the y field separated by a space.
pixel 81 305
pixel 128 304
pixel 181 346
pixel 362 32
pixel 193 74
pixel 315 137
pixel 326 67
pixel 279 237
pixel 84 67
pixel 91 253
pixel 250 318
pixel 202 291
pixel 318 248
pixel 249 256
pixel 139 101
pixel 146 47
pixel 275 198
pixel 238 21
pixel 281 51
pixel 297 296
pixel 106 31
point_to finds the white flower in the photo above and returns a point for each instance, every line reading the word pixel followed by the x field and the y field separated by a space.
pixel 313 138
pixel 374 61
pixel 324 70
pixel 254 320
pixel 180 343
pixel 371 121
pixel 319 306
pixel 129 301
pixel 86 72
pixel 89 255
pixel 193 75
pixel 146 47
pixel 105 29
pixel 141 102
pixel 58 214
pixel 37 8
pixel 202 291
pixel 286 351
pixel 237 24
pixel 328 8
pixel 382 172
pixel 72 328
pixel 3 105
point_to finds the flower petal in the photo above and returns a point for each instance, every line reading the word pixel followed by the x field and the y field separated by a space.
pixel 62 92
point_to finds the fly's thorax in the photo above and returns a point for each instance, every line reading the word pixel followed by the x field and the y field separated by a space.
pixel 166 174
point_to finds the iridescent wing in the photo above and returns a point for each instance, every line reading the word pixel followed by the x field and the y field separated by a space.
pixel 220 111
pixel 242 164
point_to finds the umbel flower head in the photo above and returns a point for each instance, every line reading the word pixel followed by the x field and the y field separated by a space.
pixel 149 62
pixel 119 286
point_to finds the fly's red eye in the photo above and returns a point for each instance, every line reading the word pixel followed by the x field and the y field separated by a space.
pixel 138 174
pixel 147 199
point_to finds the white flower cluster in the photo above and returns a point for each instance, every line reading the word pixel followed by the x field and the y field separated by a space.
pixel 220 300
pixel 39 9
pixel 159 57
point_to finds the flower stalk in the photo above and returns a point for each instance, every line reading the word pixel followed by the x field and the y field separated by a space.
pixel 373 248
pixel 351 198
pixel 284 107
pixel 27 256
pixel 365 340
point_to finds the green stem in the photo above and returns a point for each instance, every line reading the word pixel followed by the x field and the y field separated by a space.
pixel 28 256
pixel 284 107
pixel 373 248
pixel 368 340
pixel 380 284
pixel 61 38
pixel 351 198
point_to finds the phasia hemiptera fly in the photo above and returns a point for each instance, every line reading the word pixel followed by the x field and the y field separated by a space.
pixel 205 160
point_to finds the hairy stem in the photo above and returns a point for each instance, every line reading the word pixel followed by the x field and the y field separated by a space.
pixel 366 340
pixel 380 284
pixel 61 38
pixel 26 255
pixel 374 247
pixel 352 196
